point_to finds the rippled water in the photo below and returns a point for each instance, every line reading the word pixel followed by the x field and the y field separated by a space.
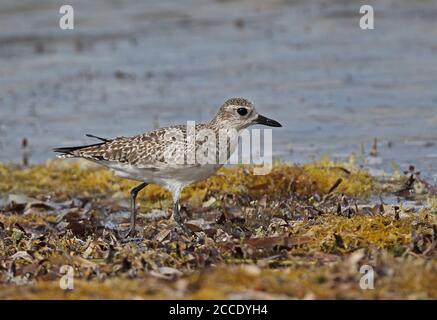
pixel 130 66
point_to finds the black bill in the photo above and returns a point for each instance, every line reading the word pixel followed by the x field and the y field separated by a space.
pixel 267 122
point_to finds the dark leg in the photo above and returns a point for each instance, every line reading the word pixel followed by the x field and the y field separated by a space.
pixel 176 214
pixel 177 217
pixel 133 215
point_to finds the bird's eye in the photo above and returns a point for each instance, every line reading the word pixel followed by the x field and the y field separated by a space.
pixel 242 111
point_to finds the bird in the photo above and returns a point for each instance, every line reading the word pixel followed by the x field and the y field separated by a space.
pixel 169 156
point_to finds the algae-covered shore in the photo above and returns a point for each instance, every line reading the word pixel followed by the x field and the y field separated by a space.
pixel 310 231
pixel 357 227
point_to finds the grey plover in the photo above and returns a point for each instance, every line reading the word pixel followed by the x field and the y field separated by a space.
pixel 149 159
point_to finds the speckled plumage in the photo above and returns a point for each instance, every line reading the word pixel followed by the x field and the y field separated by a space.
pixel 147 158
pixel 144 150
pixel 147 150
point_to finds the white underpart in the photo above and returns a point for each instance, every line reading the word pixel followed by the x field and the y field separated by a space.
pixel 172 178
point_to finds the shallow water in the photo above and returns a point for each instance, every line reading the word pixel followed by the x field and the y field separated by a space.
pixel 130 66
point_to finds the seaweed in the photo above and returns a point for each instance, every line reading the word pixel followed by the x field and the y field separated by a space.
pixel 298 232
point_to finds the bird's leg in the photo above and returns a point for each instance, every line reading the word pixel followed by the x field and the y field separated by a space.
pixel 177 217
pixel 176 214
pixel 133 215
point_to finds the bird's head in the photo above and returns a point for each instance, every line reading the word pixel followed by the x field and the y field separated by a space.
pixel 240 113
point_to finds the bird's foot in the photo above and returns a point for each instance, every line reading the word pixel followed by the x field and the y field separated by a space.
pixel 181 225
pixel 129 233
pixel 128 236
pixel 187 231
pixel 131 239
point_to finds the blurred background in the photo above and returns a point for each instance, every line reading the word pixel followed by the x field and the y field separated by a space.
pixel 131 66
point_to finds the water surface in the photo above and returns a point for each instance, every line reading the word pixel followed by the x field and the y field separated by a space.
pixel 129 66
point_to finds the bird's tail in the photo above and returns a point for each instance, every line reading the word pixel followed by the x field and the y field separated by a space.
pixel 72 152
pixel 67 152
pixel 64 156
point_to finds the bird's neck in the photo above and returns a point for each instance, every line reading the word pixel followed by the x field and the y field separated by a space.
pixel 215 124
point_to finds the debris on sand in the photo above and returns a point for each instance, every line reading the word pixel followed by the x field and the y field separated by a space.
pixel 298 232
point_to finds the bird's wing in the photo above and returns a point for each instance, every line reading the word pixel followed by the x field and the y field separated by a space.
pixel 165 147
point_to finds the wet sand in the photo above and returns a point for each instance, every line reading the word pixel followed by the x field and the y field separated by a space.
pixel 130 66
